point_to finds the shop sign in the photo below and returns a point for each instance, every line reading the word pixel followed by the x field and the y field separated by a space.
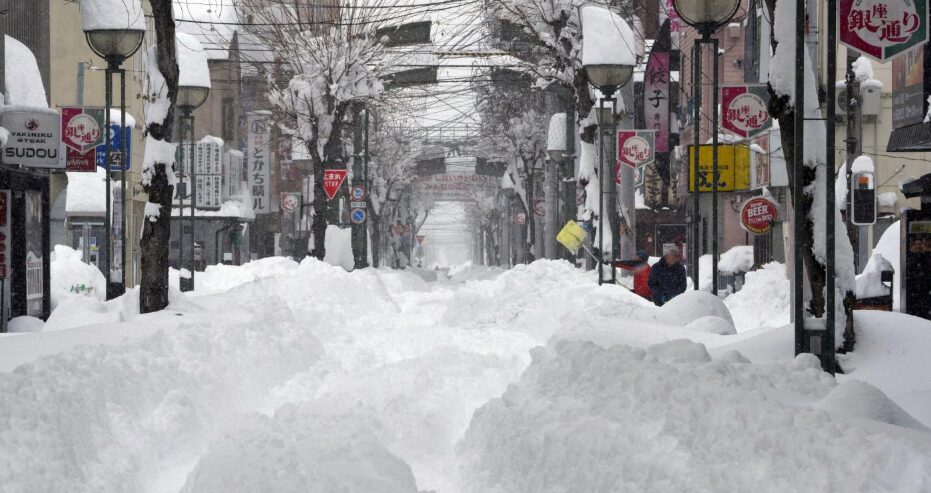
pixel 34 137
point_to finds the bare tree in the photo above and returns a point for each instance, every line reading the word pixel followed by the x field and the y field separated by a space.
pixel 158 177
pixel 334 61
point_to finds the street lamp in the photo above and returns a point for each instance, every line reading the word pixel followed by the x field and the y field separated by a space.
pixel 193 89
pixel 114 38
pixel 706 16
pixel 609 59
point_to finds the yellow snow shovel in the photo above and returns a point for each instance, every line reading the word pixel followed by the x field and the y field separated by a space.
pixel 572 237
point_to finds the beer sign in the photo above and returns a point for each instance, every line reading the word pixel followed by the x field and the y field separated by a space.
pixel 744 109
pixel 883 29
pixel 758 215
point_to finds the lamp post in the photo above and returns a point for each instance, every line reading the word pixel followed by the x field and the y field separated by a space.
pixel 706 16
pixel 114 46
pixel 609 59
pixel 193 89
pixel 189 99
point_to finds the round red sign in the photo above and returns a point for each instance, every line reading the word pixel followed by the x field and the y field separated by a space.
pixel 758 215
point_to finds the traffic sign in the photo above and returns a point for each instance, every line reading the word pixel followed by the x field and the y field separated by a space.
pixel 758 215
pixel 357 216
pixel 356 205
pixel 538 208
pixel 883 29
pixel 358 192
pixel 116 140
pixel 332 180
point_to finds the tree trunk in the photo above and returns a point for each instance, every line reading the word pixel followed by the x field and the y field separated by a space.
pixel 780 109
pixel 153 293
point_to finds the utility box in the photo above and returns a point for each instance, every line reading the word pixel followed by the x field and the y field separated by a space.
pixel 915 296
pixel 863 198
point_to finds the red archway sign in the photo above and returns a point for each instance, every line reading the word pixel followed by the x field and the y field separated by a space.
pixel 332 180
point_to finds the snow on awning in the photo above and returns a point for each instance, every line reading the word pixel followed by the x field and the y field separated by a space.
pixel 22 79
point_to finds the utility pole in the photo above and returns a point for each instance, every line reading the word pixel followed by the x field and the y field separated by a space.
pixel 626 229
pixel 359 170
pixel 854 149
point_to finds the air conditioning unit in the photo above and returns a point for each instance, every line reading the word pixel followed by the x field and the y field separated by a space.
pixel 870 97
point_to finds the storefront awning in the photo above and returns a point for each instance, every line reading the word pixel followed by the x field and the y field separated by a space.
pixel 912 138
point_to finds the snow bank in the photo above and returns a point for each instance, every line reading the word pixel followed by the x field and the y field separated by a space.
pixel 764 301
pixel 72 278
pixel 112 14
pixel 737 259
pixel 95 418
pixel 892 354
pixel 556 136
pixel 301 448
pixel 24 323
pixel 861 400
pixel 585 418
pixel 869 282
pixel 890 247
pixel 87 192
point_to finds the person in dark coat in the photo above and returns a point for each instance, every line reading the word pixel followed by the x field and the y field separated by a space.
pixel 667 277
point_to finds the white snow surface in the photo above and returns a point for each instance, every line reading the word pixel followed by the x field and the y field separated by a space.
pixel 112 14
pixel 71 277
pixel 606 38
pixel 764 301
pixel 193 70
pixel 890 247
pixel 863 164
pixel 286 376
pixel 22 79
pixel 556 136
pixel 869 282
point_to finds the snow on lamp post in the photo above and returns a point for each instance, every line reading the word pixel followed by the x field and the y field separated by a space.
pixel 608 56
pixel 114 30
pixel 706 16
pixel 193 89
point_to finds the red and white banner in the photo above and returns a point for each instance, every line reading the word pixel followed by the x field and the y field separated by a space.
pixel 882 29
pixel 744 109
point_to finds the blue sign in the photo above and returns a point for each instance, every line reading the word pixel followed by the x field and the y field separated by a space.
pixel 357 216
pixel 358 192
pixel 116 140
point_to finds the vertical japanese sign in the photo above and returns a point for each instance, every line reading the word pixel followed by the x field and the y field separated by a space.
pixel 635 148
pixel 5 239
pixel 882 29
pixel 232 174
pixel 908 88
pixel 81 132
pixel 34 253
pixel 208 165
pixel 744 109
pixel 656 91
pixel 258 159
pixel 667 13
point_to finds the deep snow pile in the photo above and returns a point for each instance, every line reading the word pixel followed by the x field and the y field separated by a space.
pixel 668 418
pixel 72 278
pixel 283 376
pixel 764 301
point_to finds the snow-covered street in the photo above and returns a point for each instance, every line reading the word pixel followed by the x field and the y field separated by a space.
pixel 276 376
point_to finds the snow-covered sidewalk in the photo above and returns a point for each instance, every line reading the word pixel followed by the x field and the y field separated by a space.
pixel 279 376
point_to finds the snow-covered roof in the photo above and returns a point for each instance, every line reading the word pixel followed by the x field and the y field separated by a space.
pixel 606 38
pixel 112 14
pixel 192 62
pixel 22 79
